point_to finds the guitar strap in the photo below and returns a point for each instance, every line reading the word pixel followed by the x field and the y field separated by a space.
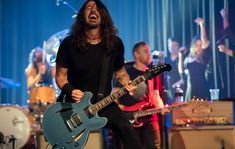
pixel 103 76
pixel 102 82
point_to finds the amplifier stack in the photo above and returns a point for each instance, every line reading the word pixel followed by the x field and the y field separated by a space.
pixel 205 113
pixel 203 125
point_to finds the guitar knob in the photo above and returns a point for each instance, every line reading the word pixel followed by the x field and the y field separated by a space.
pixel 68 141
pixel 63 147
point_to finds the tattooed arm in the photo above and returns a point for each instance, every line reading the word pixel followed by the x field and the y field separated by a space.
pixel 122 76
pixel 61 76
pixel 61 80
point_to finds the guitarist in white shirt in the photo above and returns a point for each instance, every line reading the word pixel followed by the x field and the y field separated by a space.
pixel 146 93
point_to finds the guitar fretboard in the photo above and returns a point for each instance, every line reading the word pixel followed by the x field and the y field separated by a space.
pixel 153 111
pixel 114 96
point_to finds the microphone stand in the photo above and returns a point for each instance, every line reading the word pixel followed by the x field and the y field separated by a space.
pixel 68 5
pixel 158 58
pixel 163 117
pixel 13 140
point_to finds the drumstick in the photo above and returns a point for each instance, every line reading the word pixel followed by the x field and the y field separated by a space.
pixel 43 51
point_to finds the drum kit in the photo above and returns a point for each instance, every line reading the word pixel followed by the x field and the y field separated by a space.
pixel 19 125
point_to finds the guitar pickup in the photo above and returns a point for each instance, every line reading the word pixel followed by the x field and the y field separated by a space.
pixel 69 124
pixel 88 112
pixel 74 122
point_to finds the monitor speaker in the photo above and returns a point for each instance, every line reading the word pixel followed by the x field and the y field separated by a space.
pixel 202 137
pixel 95 141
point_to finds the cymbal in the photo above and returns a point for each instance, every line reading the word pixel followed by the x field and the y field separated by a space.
pixel 8 83
pixel 52 44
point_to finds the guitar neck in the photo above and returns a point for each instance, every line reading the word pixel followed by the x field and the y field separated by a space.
pixel 114 96
pixel 156 110
pixel 146 112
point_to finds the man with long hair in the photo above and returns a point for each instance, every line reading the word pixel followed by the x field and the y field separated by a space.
pixel 79 65
pixel 39 71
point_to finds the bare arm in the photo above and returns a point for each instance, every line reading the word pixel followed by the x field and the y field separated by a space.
pixel 224 14
pixel 204 39
pixel 61 80
pixel 225 50
pixel 122 76
pixel 180 63
pixel 32 77
pixel 61 76
pixel 203 36
pixel 158 100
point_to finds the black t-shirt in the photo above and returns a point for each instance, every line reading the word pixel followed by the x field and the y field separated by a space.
pixel 84 66
pixel 173 75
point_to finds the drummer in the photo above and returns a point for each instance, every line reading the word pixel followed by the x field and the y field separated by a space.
pixel 39 72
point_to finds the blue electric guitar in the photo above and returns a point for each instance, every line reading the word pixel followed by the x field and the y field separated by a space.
pixel 67 125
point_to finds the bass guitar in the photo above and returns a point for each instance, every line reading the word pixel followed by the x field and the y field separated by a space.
pixel 135 115
pixel 67 125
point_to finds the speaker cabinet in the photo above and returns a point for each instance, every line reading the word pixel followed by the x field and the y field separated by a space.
pixel 202 137
pixel 95 141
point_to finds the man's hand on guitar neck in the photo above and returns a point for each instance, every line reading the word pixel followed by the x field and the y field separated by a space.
pixel 124 79
pixel 77 95
pixel 164 109
pixel 130 88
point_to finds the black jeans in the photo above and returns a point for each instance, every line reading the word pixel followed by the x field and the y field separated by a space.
pixel 118 123
pixel 149 134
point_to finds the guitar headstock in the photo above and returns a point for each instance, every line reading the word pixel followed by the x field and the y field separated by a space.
pixel 156 70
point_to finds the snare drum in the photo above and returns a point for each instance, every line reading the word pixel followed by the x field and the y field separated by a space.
pixel 42 94
pixel 17 122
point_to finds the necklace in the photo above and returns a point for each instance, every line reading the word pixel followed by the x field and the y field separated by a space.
pixel 90 39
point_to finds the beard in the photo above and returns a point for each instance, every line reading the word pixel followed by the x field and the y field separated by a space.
pixel 92 25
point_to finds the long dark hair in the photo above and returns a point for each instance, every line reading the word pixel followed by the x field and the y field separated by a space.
pixel 36 55
pixel 108 30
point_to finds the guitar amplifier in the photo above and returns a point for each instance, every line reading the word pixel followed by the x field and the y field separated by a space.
pixel 204 113
pixel 202 137
pixel 95 141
